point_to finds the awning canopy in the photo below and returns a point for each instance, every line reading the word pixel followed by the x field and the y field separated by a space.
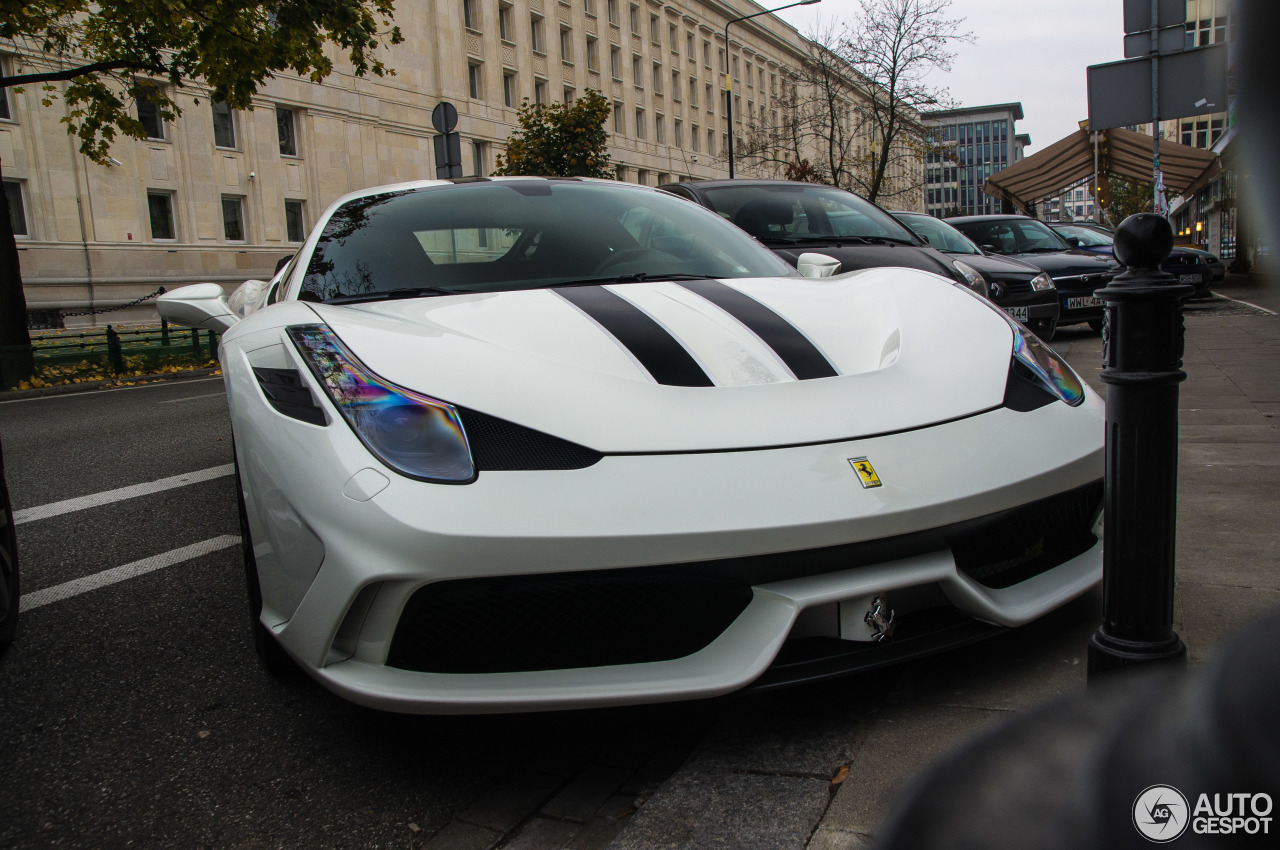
pixel 1123 153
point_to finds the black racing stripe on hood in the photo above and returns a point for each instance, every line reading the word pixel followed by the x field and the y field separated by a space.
pixel 658 351
pixel 801 356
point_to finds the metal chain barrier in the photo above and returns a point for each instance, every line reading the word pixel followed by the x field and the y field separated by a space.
pixel 135 302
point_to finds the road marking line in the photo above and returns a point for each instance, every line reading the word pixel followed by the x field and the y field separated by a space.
pixel 81 503
pixel 113 390
pixel 1246 303
pixel 192 398
pixel 118 574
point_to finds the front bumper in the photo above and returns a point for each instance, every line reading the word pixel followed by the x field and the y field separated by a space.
pixel 339 566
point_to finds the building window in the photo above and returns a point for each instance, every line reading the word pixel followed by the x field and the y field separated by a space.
pixel 677 133
pixel 148 114
pixel 673 38
pixel 637 71
pixel 706 53
pixel 635 20
pixel 620 173
pixel 675 85
pixel 536 40
pixel 566 45
pixel 17 210
pixel 619 120
pixel 639 123
pixel 688 47
pixel 693 137
pixel 224 126
pixel 613 12
pixel 294 228
pixel 655 33
pixel 504 23
pixel 724 63
pixel 473 82
pixel 593 54
pixel 469 14
pixel 233 218
pixel 160 210
pixel 659 129
pixel 693 92
pixel 736 68
pixel 657 78
pixel 710 99
pixel 540 92
pixel 615 63
pixel 478 159
pixel 589 6
pixel 568 95
pixel 509 94
pixel 286 130
pixel 642 176
pixel 711 142
pixel 750 84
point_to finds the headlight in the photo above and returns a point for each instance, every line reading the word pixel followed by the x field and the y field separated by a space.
pixel 1045 367
pixel 972 278
pixel 415 435
pixel 1041 282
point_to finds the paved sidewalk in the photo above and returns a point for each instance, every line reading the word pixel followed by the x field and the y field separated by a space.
pixel 817 767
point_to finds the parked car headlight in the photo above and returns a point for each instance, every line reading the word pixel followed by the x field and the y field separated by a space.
pixel 1046 367
pixel 413 434
pixel 1042 282
pixel 972 278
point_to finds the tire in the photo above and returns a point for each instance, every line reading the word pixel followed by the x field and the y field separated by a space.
pixel 9 586
pixel 1095 325
pixel 273 657
pixel 1045 329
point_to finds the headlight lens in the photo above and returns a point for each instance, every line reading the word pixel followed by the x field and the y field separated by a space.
pixel 1046 367
pixel 413 434
pixel 1041 282
pixel 973 279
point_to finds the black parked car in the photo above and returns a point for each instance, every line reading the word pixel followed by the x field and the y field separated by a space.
pixel 1020 289
pixel 793 218
pixel 1183 263
pixel 8 566
pixel 1077 274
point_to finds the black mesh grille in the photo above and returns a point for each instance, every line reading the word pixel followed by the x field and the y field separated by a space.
pixel 552 622
pixel 499 445
pixel 1026 541
pixel 1016 287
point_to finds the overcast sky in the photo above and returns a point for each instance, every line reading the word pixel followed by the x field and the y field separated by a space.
pixel 1033 51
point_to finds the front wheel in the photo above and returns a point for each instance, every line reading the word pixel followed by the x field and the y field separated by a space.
pixel 1095 325
pixel 1045 329
pixel 270 653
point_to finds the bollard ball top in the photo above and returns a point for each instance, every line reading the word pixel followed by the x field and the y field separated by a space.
pixel 1143 241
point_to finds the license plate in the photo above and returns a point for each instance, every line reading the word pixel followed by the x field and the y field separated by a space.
pixel 1082 301
pixel 1019 313
pixel 1190 278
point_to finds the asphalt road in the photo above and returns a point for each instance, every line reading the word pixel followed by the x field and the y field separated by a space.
pixel 134 712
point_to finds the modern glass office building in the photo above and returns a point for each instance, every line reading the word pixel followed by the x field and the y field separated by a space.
pixel 968 145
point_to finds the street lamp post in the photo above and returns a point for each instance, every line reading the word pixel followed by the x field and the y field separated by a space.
pixel 728 64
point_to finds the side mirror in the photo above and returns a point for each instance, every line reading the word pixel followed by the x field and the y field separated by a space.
pixel 200 305
pixel 1073 241
pixel 817 265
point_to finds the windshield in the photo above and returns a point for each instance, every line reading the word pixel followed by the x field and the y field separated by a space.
pixel 1013 236
pixel 522 234
pixel 796 212
pixel 938 234
pixel 1089 238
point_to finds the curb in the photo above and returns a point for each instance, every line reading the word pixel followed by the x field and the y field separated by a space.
pixel 110 383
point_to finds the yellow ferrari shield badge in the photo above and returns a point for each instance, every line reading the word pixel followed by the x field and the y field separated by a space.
pixel 866 472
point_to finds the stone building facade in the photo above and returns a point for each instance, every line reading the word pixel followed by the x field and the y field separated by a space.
pixel 221 196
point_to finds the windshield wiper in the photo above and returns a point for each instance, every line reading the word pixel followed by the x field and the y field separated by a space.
pixel 390 294
pixel 638 277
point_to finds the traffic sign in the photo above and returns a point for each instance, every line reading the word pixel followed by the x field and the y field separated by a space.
pixel 1192 82
pixel 444 117
pixel 1137 14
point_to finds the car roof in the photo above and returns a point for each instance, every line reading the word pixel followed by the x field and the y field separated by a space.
pixel 1009 217
pixel 715 184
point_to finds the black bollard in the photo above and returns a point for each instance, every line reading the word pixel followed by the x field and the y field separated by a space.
pixel 114 355
pixel 1142 360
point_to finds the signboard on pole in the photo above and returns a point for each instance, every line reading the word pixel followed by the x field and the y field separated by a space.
pixel 1137 14
pixel 1192 82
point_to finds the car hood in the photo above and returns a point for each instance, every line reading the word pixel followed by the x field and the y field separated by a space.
pixel 1069 263
pixel 1000 268
pixel 905 349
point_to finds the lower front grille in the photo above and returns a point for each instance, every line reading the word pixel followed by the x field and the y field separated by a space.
pixel 553 622
pixel 1026 541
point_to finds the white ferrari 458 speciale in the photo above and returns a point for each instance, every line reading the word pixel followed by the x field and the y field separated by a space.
pixel 522 444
